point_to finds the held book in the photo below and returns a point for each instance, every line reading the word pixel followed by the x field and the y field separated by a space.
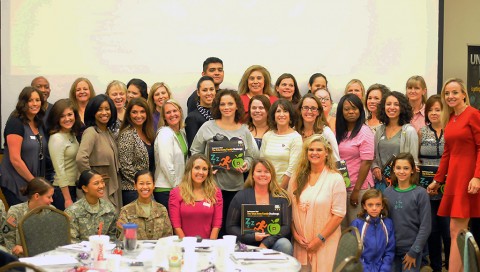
pixel 226 154
pixel 261 218
pixel 427 172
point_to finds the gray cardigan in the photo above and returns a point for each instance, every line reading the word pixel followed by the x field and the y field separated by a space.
pixel 408 143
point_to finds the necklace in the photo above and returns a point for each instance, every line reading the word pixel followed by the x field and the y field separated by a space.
pixel 455 116
pixel 305 135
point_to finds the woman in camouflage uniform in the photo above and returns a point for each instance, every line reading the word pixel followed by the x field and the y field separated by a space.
pixel 150 216
pixel 88 213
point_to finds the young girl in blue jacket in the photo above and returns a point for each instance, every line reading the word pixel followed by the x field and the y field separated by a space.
pixel 376 232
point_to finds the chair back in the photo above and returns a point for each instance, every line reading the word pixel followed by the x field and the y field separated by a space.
pixel 472 251
pixel 20 266
pixel 349 246
pixel 43 229
pixel 349 264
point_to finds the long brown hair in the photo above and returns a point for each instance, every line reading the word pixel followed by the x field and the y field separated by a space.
pixel 186 185
pixel 147 126
pixel 407 157
pixel 22 106
pixel 304 168
pixel 273 188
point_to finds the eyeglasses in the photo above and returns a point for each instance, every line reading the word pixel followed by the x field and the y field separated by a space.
pixel 324 99
pixel 312 109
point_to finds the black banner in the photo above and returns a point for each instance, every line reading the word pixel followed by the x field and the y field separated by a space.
pixel 473 75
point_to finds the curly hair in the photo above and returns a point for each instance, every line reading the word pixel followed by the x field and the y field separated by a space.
pixel 274 188
pixel 406 112
pixel 239 113
pixel 384 90
pixel 22 106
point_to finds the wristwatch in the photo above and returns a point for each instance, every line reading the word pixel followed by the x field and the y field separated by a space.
pixel 321 238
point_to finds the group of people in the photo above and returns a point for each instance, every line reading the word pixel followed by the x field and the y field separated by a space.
pixel 130 155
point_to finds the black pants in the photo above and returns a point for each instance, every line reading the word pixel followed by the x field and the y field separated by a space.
pixel 10 197
pixel 162 198
pixel 128 196
pixel 227 198
pixel 59 200
pixel 440 233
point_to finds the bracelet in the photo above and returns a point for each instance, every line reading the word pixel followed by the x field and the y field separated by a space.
pixel 321 238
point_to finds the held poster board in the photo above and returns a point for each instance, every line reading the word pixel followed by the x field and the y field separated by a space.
pixel 342 167
pixel 261 218
pixel 226 154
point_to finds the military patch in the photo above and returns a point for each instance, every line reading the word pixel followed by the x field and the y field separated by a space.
pixel 12 221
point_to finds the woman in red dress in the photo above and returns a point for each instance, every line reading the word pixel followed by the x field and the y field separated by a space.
pixel 461 161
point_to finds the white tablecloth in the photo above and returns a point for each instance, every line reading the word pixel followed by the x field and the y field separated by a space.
pixel 152 257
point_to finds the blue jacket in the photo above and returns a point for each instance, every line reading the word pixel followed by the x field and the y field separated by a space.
pixel 378 243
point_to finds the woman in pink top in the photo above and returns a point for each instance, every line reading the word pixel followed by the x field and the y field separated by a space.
pixel 255 81
pixel 318 198
pixel 416 92
pixel 196 204
pixel 356 148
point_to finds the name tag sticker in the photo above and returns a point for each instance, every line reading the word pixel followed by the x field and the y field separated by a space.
pixel 206 204
pixel 33 138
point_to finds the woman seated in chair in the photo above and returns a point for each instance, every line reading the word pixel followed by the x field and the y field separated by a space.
pixel 39 193
pixel 150 216
pixel 87 214
pixel 262 188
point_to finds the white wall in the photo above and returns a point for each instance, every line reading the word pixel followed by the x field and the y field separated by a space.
pixel 167 40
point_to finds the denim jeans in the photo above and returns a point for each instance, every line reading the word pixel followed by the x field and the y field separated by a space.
pixel 283 245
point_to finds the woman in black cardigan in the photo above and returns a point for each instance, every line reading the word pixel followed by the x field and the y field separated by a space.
pixel 261 188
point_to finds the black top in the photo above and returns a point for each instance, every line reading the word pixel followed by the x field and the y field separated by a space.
pixel 192 102
pixel 151 157
pixel 193 122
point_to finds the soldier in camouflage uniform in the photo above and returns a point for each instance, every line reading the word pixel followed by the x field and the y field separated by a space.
pixel 39 192
pixel 150 216
pixel 152 226
pixel 85 219
pixel 3 218
pixel 88 213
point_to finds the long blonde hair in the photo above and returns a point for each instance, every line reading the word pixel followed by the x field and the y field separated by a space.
pixel 304 168
pixel 447 110
pixel 186 186
pixel 267 87
pixel 273 188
